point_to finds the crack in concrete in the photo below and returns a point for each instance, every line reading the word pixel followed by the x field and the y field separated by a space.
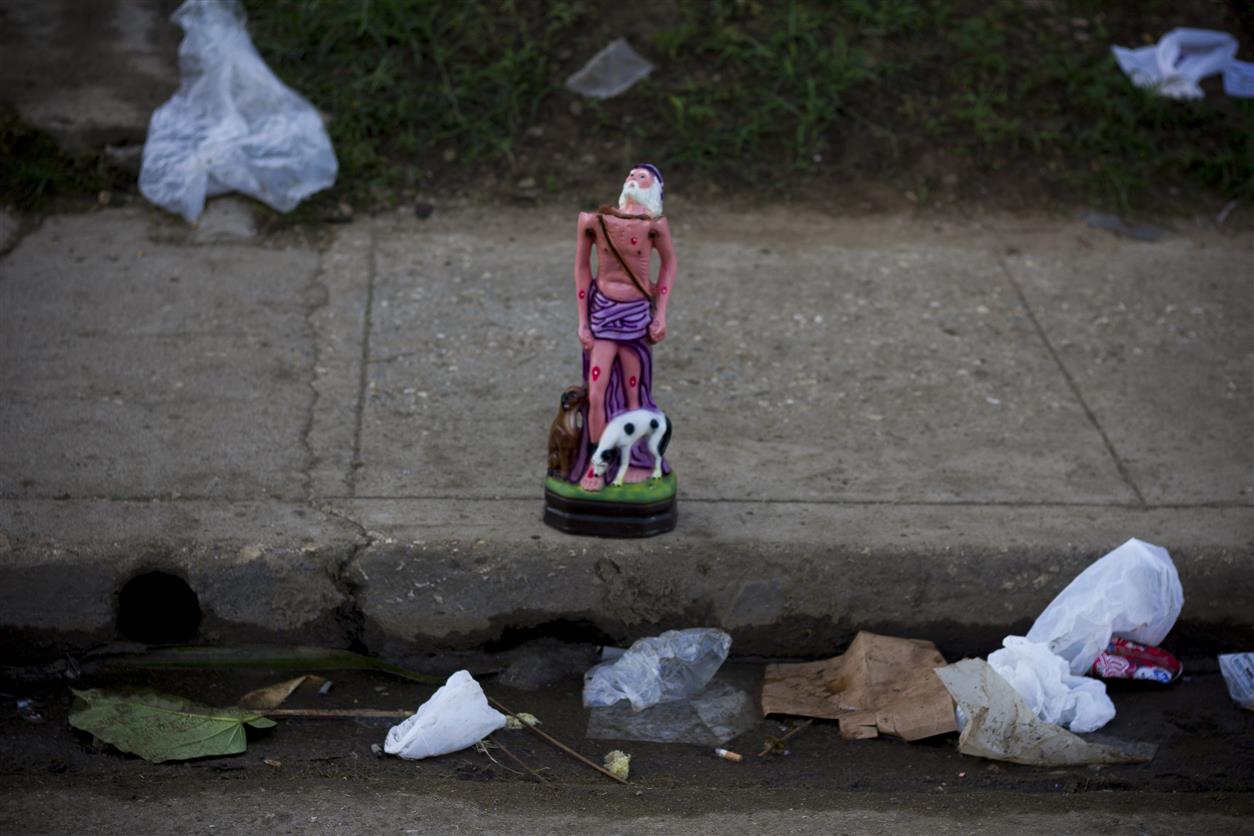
pixel 363 380
pixel 312 306
pixel 1120 466
pixel 349 613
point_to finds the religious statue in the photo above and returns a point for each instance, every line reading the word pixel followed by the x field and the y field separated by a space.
pixel 607 472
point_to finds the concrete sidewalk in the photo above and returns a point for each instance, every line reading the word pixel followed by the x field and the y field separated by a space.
pixel 883 422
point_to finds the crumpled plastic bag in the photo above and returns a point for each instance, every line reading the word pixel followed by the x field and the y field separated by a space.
pixel 232 125
pixel 673 666
pixel 1133 592
pixel 456 717
pixel 1043 680
pixel 1181 58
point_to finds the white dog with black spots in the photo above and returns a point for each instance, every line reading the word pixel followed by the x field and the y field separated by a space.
pixel 624 432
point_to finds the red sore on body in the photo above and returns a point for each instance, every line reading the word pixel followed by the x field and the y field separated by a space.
pixel 632 382
pixel 582 294
pixel 665 290
pixel 596 372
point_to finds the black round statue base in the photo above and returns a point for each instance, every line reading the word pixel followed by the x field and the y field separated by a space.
pixel 599 518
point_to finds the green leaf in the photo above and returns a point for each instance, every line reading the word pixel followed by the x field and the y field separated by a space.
pixel 162 727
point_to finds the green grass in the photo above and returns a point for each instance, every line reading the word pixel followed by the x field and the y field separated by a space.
pixel 1013 100
pixel 650 490
pixel 34 171
pixel 764 95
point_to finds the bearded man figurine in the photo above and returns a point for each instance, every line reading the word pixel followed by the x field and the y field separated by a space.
pixel 622 315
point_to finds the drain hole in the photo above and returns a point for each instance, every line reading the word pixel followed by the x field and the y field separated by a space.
pixel 158 608
pixel 562 630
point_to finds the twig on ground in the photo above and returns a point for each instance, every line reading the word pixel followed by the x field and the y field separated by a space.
pixel 539 778
pixel 773 743
pixel 559 744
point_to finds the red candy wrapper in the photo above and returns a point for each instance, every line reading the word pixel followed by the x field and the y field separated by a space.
pixel 1123 659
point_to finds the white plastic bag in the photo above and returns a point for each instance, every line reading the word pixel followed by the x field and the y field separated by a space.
pixel 1181 58
pixel 673 666
pixel 456 717
pixel 1078 703
pixel 232 126
pixel 1133 592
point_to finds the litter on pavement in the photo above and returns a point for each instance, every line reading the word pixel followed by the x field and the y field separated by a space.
pixel 714 715
pixel 456 717
pixel 1001 726
pixel 880 685
pixel 1238 673
pixel 673 666
pixel 1132 593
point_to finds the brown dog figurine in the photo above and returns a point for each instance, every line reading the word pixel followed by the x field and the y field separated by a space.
pixel 565 431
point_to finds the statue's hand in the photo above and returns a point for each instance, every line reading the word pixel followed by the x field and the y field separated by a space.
pixel 585 337
pixel 657 329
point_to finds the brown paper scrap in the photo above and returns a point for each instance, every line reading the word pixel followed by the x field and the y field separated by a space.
pixel 881 685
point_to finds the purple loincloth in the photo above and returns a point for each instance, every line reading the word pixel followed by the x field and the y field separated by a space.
pixel 626 323
pixel 610 320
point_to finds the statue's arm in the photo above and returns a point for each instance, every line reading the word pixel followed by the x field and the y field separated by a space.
pixel 583 276
pixel 669 267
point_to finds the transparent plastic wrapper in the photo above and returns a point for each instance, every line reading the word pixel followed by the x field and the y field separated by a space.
pixel 456 717
pixel 610 72
pixel 232 125
pixel 1133 592
pixel 673 666
pixel 1181 58
pixel 1238 671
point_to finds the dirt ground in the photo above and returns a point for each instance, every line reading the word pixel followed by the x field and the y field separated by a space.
pixel 1204 764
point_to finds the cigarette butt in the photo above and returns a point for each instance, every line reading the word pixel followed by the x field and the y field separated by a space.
pixel 734 757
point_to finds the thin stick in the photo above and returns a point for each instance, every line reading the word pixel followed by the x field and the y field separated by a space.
pixel 539 778
pixel 335 713
pixel 559 744
pixel 800 727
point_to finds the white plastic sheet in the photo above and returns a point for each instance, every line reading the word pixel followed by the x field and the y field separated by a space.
pixel 456 717
pixel 1000 726
pixel 673 666
pixel 232 125
pixel 1181 58
pixel 1133 592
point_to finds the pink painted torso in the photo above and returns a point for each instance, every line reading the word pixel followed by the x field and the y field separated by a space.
pixel 632 239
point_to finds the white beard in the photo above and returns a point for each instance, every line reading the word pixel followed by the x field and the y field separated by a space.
pixel 650 198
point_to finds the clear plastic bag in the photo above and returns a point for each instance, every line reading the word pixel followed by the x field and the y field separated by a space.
pixel 232 125
pixel 673 666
